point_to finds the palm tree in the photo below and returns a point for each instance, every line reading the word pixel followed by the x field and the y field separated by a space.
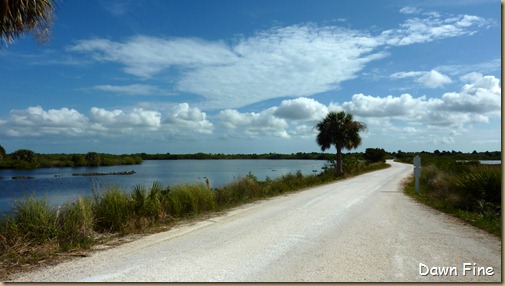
pixel 21 16
pixel 339 129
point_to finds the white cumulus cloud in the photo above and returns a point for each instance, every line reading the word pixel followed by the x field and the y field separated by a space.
pixel 118 118
pixel 181 120
pixel 184 119
pixel 254 124
pixel 389 106
pixel 481 94
pixel 301 108
pixel 434 79
pixel 35 121
pixel 429 79
pixel 477 101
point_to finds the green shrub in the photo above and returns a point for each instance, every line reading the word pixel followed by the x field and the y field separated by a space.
pixel 353 165
pixel 482 183
pixel 375 155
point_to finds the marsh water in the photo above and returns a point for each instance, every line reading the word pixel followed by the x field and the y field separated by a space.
pixel 59 185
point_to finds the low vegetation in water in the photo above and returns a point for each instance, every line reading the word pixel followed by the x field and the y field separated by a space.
pixel 35 232
pixel 468 190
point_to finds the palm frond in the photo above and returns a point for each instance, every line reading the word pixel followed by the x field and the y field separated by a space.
pixel 23 16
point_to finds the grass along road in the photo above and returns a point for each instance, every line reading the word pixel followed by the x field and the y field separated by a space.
pixel 359 229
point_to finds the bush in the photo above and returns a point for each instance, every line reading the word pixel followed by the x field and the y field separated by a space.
pixel 373 155
pixel 482 183
pixel 353 165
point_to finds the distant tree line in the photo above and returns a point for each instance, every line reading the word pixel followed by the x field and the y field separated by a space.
pixel 408 157
pixel 27 159
pixel 370 155
pixel 217 156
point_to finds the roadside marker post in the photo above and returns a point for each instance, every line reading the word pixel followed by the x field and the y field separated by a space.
pixel 417 171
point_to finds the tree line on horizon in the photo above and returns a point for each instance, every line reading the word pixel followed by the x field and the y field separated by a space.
pixel 27 159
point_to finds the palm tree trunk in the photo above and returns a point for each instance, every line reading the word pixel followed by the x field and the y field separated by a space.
pixel 339 170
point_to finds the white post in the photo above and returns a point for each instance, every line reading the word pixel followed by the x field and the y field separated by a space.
pixel 417 171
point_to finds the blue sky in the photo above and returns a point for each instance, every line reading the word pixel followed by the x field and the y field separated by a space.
pixel 245 76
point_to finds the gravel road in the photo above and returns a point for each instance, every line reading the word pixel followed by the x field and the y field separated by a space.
pixel 355 230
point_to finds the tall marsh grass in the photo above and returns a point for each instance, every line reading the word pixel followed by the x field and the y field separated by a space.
pixel 75 224
pixel 113 211
pixel 190 200
pixel 35 220
pixel 242 190
pixel 36 230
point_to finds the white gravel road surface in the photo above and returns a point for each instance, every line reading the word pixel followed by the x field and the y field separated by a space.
pixel 355 230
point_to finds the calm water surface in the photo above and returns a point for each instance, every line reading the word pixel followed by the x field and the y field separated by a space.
pixel 58 185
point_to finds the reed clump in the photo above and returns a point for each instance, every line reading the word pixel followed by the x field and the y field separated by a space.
pixel 190 200
pixel 76 222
